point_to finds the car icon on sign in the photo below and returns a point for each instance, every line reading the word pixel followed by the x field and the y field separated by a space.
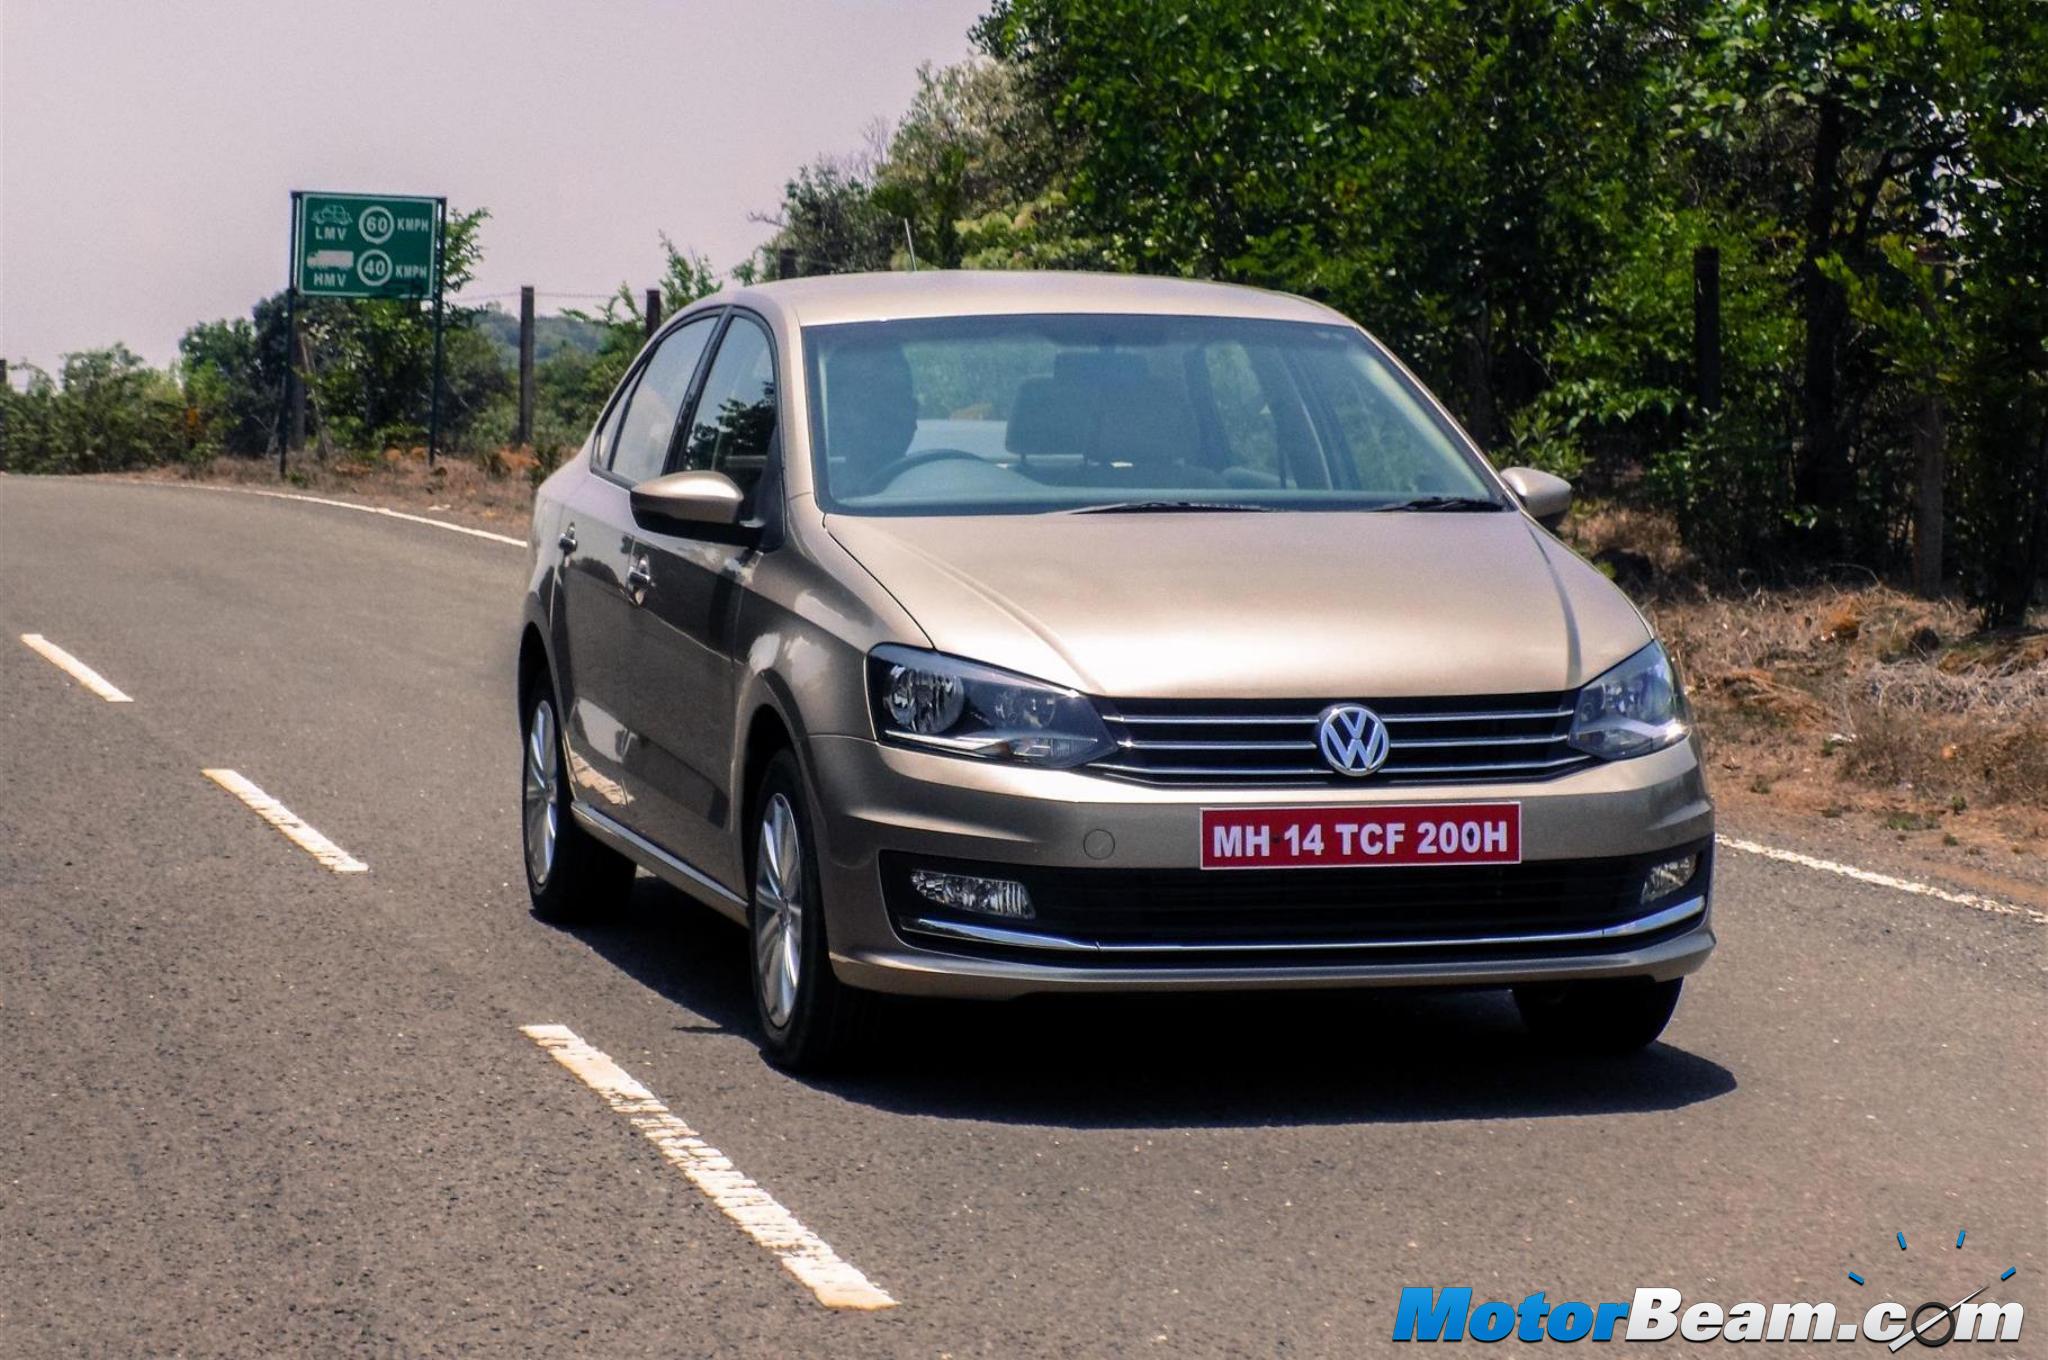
pixel 332 215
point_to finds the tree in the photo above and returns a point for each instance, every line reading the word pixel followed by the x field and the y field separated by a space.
pixel 973 144
pixel 109 410
pixel 1837 115
pixel 1445 171
pixel 372 359
pixel 829 219
pixel 233 372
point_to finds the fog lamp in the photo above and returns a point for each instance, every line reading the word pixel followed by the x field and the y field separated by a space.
pixel 968 892
pixel 1669 877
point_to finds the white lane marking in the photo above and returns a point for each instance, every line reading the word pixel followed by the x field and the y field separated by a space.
pixel 802 1252
pixel 351 505
pixel 1990 904
pixel 283 818
pixel 76 669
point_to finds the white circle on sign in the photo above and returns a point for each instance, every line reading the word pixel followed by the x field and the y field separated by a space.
pixel 374 268
pixel 375 223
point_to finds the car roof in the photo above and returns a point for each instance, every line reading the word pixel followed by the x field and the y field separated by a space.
pixel 834 298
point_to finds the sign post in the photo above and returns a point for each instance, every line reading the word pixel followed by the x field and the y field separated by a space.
pixel 372 246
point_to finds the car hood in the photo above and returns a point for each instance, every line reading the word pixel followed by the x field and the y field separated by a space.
pixel 1247 605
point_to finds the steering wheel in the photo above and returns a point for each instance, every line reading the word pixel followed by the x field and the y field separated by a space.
pixel 896 467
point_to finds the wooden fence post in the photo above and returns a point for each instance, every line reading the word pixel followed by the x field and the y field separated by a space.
pixel 1706 326
pixel 295 387
pixel 653 311
pixel 1930 441
pixel 523 437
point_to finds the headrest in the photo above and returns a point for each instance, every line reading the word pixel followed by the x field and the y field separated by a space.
pixel 1145 422
pixel 1050 416
pixel 870 403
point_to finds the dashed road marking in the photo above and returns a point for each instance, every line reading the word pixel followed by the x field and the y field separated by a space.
pixel 285 820
pixel 802 1252
pixel 73 667
pixel 1828 866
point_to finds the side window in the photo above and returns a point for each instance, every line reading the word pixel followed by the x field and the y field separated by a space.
pixel 656 400
pixel 608 430
pixel 1390 442
pixel 1250 436
pixel 734 423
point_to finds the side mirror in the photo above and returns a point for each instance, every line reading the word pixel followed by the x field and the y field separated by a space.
pixel 1546 498
pixel 699 504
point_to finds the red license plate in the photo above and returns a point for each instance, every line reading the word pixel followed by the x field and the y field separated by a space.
pixel 1346 837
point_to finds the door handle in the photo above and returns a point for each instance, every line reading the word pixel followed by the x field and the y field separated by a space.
pixel 567 542
pixel 638 577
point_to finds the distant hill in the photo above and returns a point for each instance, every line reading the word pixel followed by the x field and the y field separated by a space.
pixel 551 334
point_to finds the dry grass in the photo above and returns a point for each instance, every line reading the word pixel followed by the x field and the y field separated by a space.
pixel 1848 700
pixel 1897 689
pixel 492 491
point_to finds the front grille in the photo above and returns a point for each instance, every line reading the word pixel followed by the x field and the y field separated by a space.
pixel 1489 739
pixel 1317 913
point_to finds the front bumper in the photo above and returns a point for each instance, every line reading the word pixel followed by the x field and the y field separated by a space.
pixel 881 807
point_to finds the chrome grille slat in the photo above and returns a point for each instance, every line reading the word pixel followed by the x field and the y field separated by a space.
pixel 1415 743
pixel 1518 766
pixel 1524 715
pixel 1252 771
pixel 1220 745
pixel 1486 738
pixel 1253 718
pixel 1546 715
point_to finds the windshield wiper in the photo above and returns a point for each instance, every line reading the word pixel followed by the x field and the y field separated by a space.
pixel 1155 507
pixel 1444 503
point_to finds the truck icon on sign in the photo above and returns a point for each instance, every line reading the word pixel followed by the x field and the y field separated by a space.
pixel 330 259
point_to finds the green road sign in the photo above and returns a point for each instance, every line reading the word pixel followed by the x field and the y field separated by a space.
pixel 366 245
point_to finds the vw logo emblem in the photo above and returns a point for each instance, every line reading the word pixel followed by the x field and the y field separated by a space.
pixel 1352 738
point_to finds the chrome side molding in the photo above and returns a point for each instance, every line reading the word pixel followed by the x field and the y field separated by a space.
pixel 661 863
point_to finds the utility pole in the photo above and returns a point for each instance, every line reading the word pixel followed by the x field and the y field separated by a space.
pixel 653 311
pixel 1706 326
pixel 524 437
pixel 440 277
pixel 293 412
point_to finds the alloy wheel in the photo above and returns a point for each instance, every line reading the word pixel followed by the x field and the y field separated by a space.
pixel 779 911
pixel 543 757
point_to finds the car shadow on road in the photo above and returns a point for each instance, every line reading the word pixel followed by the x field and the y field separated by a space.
pixel 1219 1059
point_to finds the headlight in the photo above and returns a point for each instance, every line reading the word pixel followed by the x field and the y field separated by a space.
pixel 942 703
pixel 1632 710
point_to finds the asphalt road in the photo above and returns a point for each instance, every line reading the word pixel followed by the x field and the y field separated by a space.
pixel 249 1106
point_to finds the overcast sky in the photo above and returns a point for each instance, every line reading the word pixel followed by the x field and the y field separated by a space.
pixel 148 147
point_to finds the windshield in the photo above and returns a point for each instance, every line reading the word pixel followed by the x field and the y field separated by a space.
pixel 1038 414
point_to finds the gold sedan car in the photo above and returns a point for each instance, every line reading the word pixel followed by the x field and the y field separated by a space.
pixel 984 634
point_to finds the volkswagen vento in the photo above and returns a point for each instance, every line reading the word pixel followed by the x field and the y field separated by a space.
pixel 987 634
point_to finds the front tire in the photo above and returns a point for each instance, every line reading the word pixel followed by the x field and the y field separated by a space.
pixel 1605 1017
pixel 809 1018
pixel 570 877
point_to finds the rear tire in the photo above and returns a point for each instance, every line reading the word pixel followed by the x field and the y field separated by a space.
pixel 571 878
pixel 1607 1017
pixel 810 1020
